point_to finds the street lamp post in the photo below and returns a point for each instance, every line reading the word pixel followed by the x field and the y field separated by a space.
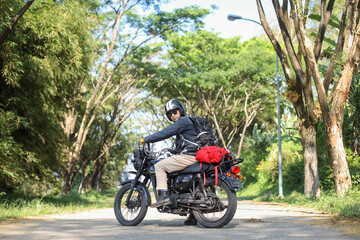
pixel 232 17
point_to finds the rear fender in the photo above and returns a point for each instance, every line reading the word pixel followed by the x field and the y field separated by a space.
pixel 141 187
pixel 232 183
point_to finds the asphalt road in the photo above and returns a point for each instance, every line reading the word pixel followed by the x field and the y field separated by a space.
pixel 252 221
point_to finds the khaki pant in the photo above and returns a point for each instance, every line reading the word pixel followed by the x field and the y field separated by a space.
pixel 171 164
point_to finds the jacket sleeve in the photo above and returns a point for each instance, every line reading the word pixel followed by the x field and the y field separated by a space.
pixel 167 132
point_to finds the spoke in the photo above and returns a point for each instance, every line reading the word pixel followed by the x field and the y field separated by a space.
pixel 126 214
pixel 222 203
pixel 131 211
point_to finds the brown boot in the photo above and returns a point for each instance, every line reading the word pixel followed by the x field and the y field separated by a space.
pixel 163 200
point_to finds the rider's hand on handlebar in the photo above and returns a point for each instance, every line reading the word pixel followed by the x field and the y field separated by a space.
pixel 142 142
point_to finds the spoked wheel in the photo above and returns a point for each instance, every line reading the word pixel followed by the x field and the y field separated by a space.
pixel 220 208
pixel 132 213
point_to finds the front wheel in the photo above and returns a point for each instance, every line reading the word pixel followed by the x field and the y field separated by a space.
pixel 222 206
pixel 132 213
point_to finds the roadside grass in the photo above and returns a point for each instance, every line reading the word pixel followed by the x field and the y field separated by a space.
pixel 15 206
pixel 329 202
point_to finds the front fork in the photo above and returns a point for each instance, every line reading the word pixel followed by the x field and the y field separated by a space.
pixel 153 183
pixel 134 184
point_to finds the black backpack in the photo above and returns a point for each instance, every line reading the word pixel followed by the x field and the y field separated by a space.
pixel 204 132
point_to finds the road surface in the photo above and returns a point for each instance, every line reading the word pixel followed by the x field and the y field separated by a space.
pixel 252 220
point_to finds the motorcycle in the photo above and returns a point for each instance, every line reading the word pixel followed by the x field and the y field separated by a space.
pixel 208 191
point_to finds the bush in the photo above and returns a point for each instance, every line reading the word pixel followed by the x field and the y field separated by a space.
pixel 292 167
pixel 248 167
pixel 255 151
pixel 324 162
pixel 354 167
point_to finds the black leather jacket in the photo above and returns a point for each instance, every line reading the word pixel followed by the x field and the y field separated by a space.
pixel 183 128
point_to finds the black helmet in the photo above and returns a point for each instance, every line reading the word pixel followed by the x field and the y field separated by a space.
pixel 174 104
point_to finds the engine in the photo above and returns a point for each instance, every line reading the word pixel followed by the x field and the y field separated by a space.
pixel 183 183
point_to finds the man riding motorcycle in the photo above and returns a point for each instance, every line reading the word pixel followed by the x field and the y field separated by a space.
pixel 185 152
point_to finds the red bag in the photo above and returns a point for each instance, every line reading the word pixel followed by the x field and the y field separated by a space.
pixel 211 154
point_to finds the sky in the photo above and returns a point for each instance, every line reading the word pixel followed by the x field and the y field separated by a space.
pixel 218 20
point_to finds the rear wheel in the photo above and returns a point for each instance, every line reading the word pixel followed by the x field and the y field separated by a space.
pixel 132 213
pixel 221 206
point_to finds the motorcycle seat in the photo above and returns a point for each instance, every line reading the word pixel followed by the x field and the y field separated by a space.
pixel 195 168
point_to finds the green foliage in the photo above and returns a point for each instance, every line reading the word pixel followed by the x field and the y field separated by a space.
pixel 248 167
pixel 10 149
pixel 255 150
pixel 8 9
pixel 292 162
pixel 324 162
pixel 351 130
pixel 41 61
pixel 293 176
pixel 260 139
pixel 161 21
pixel 354 167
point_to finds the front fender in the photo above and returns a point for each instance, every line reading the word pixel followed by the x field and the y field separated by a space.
pixel 141 187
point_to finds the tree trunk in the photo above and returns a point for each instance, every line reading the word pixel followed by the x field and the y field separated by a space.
pixel 312 181
pixel 342 177
pixel 99 183
pixel 83 188
pixel 66 184
pixel 95 174
pixel 68 125
pixel 241 141
pixel 334 117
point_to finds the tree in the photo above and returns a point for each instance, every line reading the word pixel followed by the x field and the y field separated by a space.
pixel 111 78
pixel 220 79
pixel 331 94
pixel 40 62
